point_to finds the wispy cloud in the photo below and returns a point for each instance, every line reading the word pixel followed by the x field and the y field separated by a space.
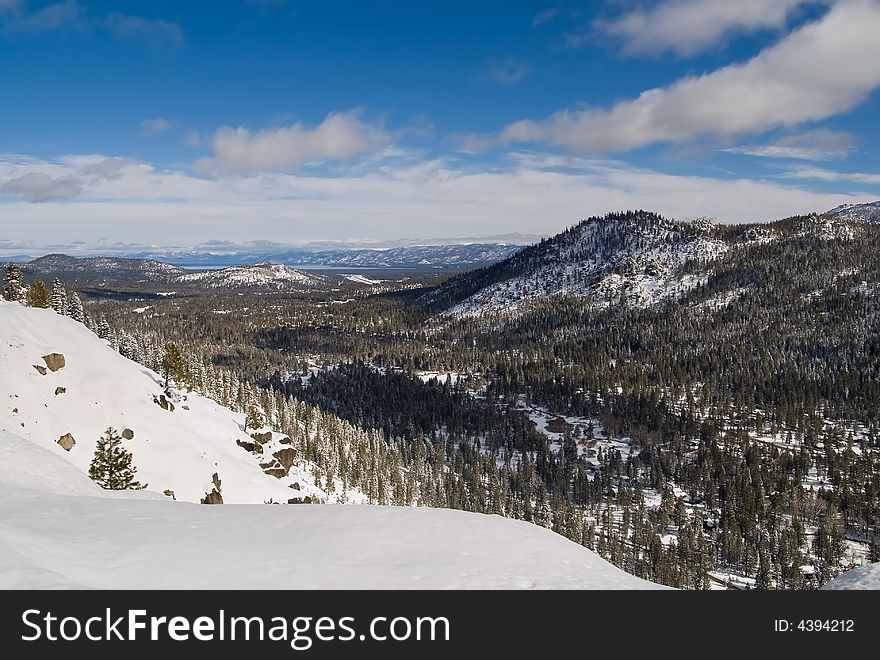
pixel 154 32
pixel 821 174
pixel 35 187
pixel 507 71
pixel 155 126
pixel 340 137
pixel 689 27
pixel 544 16
pixel 818 144
pixel 818 71
pixel 70 15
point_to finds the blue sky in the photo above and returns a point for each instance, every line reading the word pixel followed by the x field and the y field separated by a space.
pixel 132 124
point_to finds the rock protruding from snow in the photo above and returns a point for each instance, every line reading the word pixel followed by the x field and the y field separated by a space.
pixel 54 361
pixel 66 441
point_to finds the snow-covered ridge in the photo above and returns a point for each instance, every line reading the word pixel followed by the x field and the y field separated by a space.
pixel 263 275
pixel 175 450
pixel 636 257
pixel 866 213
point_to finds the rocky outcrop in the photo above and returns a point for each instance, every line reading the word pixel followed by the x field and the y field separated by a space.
pixel 300 500
pixel 252 447
pixel 169 493
pixel 286 457
pixel 163 402
pixel 262 437
pixel 214 497
pixel 127 433
pixel 41 369
pixel 273 468
pixel 66 441
pixel 54 361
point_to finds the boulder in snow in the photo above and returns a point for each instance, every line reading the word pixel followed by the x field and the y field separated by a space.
pixel 66 441
pixel 41 369
pixel 54 361
pixel 127 433
pixel 60 390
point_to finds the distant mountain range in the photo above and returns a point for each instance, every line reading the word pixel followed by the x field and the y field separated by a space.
pixel 420 256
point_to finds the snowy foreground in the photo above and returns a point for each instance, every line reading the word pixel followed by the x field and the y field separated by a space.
pixel 59 530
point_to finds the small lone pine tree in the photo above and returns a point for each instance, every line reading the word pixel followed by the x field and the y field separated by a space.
pixel 253 419
pixel 38 295
pixel 13 283
pixel 111 467
pixel 59 297
pixel 174 366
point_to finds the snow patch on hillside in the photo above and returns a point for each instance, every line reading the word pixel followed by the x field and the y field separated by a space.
pixel 175 450
pixel 264 275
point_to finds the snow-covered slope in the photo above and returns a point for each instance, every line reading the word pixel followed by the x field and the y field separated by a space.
pixel 638 256
pixel 59 530
pixel 264 275
pixel 869 212
pixel 861 577
pixel 177 450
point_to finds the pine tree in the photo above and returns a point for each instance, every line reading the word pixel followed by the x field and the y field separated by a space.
pixel 59 297
pixel 111 466
pixel 13 283
pixel 174 366
pixel 103 329
pixel 253 418
pixel 76 311
pixel 38 295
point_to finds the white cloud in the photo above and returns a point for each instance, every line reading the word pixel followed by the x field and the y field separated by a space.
pixel 688 27
pixel 544 17
pixel 155 32
pixel 818 144
pixel 831 175
pixel 151 127
pixel 67 14
pixel 36 187
pixel 820 70
pixel 71 16
pixel 507 71
pixel 340 137
pixel 531 194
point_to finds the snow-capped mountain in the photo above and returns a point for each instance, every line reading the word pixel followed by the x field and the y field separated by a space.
pixel 869 212
pixel 637 259
pixel 260 276
pixel 177 446
pixel 633 256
